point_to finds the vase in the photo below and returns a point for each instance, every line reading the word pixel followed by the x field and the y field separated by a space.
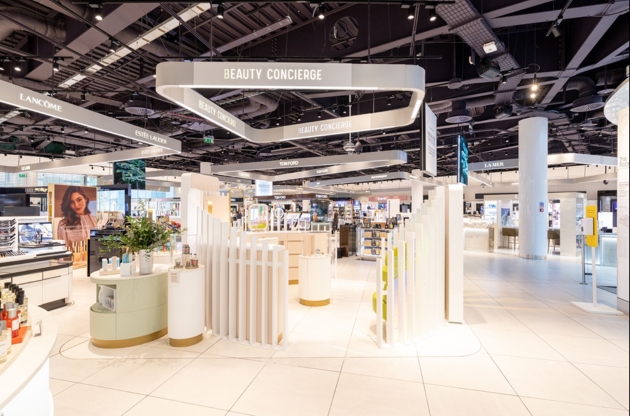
pixel 146 262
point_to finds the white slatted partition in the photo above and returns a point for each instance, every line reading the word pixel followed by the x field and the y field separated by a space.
pixel 415 299
pixel 246 285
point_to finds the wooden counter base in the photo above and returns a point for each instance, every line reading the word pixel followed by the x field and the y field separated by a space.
pixel 130 342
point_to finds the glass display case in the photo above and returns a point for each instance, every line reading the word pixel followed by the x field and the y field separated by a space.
pixel 183 249
pixel 258 217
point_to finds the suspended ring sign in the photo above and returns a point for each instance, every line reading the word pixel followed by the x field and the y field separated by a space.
pixel 177 81
pixel 24 98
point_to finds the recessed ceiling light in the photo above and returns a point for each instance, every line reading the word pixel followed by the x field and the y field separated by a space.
pixel 490 47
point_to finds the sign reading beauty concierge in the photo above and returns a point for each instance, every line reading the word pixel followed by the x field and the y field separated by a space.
pixel 177 81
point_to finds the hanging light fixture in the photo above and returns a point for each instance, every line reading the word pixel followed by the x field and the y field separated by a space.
pixel 220 11
pixel 321 11
pixel 99 13
pixel 56 64
pixel 18 64
pixel 410 13
pixel 432 15
pixel 389 100
pixel 113 44
pixel 534 86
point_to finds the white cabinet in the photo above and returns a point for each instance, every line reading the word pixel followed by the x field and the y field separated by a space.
pixel 33 292
pixel 55 288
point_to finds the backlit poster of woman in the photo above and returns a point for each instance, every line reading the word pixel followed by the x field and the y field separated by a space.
pixel 73 210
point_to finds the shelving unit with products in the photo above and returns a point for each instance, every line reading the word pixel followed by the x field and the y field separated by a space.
pixel 371 243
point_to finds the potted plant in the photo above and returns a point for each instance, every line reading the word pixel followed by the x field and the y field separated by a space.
pixel 142 236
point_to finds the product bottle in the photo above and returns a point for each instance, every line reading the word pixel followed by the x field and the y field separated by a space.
pixel 194 261
pixel 13 321
pixel 6 332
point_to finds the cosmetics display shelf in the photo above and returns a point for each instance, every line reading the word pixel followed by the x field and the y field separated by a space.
pixel 25 374
pixel 45 282
pixel 371 242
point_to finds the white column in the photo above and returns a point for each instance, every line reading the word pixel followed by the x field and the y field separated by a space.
pixel 532 172
pixel 623 285
pixel 417 192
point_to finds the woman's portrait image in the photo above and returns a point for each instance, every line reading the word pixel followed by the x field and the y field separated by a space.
pixel 73 207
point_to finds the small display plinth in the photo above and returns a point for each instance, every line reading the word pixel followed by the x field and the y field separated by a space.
pixel 186 322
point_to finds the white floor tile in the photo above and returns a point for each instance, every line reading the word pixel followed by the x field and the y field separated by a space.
pixel 588 350
pixel 448 401
pixel 516 344
pixel 281 390
pixel 227 348
pixel 475 372
pixel 328 364
pixel 373 396
pixel 161 407
pixel 82 400
pixel 552 380
pixel 57 386
pixel 406 369
pixel 216 383
pixel 140 376
pixel 68 369
pixel 613 381
pixel 201 347
pixel 539 407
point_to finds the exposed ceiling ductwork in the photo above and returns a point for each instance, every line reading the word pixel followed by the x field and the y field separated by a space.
pixel 53 29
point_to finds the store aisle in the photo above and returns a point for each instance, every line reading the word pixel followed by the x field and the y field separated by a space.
pixel 524 351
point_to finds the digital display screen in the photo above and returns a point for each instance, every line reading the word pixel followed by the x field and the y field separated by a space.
pixel 462 160
pixel 131 172
pixel 29 233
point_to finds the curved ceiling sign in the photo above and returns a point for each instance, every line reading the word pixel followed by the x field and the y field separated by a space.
pixel 177 81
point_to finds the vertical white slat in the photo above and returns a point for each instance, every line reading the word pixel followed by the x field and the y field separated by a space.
pixel 253 281
pixel 206 259
pixel 411 268
pixel 379 303
pixel 402 292
pixel 264 311
pixel 232 285
pixel 216 275
pixel 242 289
pixel 274 297
pixel 224 285
pixel 285 295
pixel 391 338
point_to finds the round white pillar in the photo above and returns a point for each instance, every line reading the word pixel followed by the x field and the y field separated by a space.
pixel 532 178
pixel 417 192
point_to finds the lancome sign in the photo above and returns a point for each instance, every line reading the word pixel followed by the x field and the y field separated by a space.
pixel 41 102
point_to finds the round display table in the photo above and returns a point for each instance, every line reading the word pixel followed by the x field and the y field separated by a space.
pixel 314 280
pixel 186 320
pixel 129 310
pixel 24 377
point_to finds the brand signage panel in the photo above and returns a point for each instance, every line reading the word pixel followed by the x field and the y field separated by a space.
pixel 493 165
pixel 462 160
pixel 263 188
pixel 177 81
pixel 430 141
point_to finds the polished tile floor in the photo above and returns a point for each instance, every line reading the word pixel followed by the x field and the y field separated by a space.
pixel 524 351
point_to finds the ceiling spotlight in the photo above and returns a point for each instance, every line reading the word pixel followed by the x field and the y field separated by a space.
pixel 504 80
pixel 48 139
pixel 63 129
pixel 319 114
pixel 113 44
pixel 56 64
pixel 18 64
pixel 83 96
pixel 410 13
pixel 220 11
pixel 432 15
pixel 99 14
pixel 321 11
pixel 92 167
pixel 533 95
pixel 103 168
pixel 555 31
pixel 278 121
pixel 86 130
pixel 389 100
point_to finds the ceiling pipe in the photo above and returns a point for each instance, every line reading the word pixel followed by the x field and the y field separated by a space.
pixel 54 29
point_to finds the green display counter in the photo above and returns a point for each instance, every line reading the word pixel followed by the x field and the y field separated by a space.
pixel 129 310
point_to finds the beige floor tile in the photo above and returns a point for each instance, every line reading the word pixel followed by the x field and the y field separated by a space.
pixel 475 372
pixel 227 348
pixel 85 350
pixel 67 369
pixel 362 345
pixel 140 376
pixel 328 364
pixel 492 317
pixel 160 407
pixel 61 340
pixel 82 400
pixel 539 407
pixel 57 386
pixel 516 344
pixel 281 390
pixel 596 351
pixel 611 379
pixel 448 401
pixel 372 396
pixel 312 345
pixel 624 344
pixel 157 352
pixel 552 380
pixel 216 383
pixel 609 327
pixel 201 347
pixel 406 369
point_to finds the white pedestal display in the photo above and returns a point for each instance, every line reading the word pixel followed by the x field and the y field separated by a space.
pixel 24 379
pixel 186 310
pixel 315 273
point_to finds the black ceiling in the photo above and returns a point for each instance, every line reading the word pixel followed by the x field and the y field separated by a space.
pixel 586 61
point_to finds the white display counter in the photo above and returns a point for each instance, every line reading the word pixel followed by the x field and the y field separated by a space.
pixel 24 378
